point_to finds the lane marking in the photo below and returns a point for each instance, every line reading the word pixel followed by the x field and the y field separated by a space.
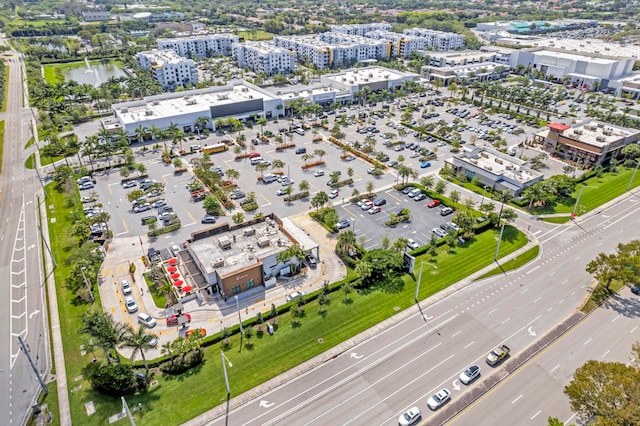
pixel 585 343
pixel 537 300
pixel 469 344
pixel 516 400
pixel 456 333
pixel 505 321
pixel 554 368
pixel 605 354
pixel 535 415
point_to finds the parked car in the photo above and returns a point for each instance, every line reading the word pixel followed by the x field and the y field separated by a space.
pixel 142 208
pixel 334 193
pixel 132 306
pixel 237 195
pixel 635 290
pixel 129 184
pixel 425 164
pixel 173 320
pixel 439 232
pixel 318 173
pixel 412 244
pixel 344 223
pixel 286 182
pixel 87 199
pixel 312 260
pixel 374 210
pixel 421 196
pixel 208 219
pixel 407 190
pixel 446 211
pixel 158 204
pixel 433 203
pixel 350 158
pixel 301 150
pixel 366 206
pixel 86 185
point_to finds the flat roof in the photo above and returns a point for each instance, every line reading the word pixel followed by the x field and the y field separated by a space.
pixel 265 47
pixel 192 101
pixel 498 164
pixel 574 56
pixel 163 56
pixel 369 75
pixel 590 45
pixel 230 251
pixel 598 134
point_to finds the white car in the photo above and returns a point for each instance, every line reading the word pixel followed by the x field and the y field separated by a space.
pixel 126 287
pixel 470 374
pixel 410 417
pixel 438 399
pixel 146 320
pixel 294 295
pixel 318 173
pixel 334 193
pixel 411 243
pixel 132 306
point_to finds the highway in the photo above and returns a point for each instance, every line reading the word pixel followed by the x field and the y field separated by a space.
pixel 22 293
pixel 406 362
pixel 535 392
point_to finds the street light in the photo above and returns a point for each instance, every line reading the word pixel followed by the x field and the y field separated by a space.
pixel 353 220
pixel 483 192
pixel 633 176
pixel 575 207
pixel 224 369
pixel 239 321
pixel 87 283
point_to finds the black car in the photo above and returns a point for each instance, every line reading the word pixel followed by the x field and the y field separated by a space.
pixel 635 290
pixel 301 150
pixel 380 202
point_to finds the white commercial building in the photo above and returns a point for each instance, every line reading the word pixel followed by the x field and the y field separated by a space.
pixel 359 29
pixel 237 99
pixel 200 46
pixel 265 58
pixel 375 78
pixel 472 65
pixel 169 69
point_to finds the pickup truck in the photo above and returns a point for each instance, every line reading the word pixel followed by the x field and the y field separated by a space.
pixel 498 354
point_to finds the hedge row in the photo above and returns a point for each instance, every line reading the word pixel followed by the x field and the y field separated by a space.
pixel 297 196
pixel 164 230
pixel 340 183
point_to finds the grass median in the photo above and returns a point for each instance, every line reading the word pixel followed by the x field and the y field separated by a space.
pixel 182 397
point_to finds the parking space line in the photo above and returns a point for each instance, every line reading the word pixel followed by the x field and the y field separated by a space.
pixel 126 228
pixel 348 211
pixel 389 191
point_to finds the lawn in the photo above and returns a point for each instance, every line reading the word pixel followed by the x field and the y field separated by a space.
pixel 559 220
pixel 182 397
pixel 30 163
pixel 600 294
pixel 1 143
pixel 6 88
pixel 53 72
pixel 254 35
pixel 514 263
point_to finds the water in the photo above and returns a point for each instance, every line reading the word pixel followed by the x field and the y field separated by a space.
pixel 94 74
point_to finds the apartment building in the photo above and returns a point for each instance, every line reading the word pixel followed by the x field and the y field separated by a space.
pixel 265 58
pixel 435 40
pixel 360 29
pixel 169 69
pixel 200 46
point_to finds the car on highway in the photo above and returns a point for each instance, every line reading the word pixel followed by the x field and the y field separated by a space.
pixel 470 374
pixel 425 164
pixel 318 173
pixel 439 232
pixel 132 306
pixel 446 211
pixel 433 203
pixel 438 399
pixel 146 320
pixel 410 417
pixel 294 295
pixel 208 219
pixel 412 244
pixel 374 210
pixel 334 193
pixel 126 287
pixel 344 223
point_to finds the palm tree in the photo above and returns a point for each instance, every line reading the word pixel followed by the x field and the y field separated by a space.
pixel 107 333
pixel 261 121
pixel 503 196
pixel 427 182
pixel 139 341
pixel 278 164
pixel 304 186
pixel 142 133
pixel 346 240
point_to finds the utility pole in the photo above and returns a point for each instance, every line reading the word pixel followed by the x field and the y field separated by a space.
pixel 25 351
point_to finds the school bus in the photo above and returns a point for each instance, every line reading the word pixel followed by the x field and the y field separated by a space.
pixel 211 149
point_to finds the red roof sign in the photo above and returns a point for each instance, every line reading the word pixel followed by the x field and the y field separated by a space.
pixel 558 127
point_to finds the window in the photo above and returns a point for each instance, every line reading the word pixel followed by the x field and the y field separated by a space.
pixel 235 289
pixel 250 284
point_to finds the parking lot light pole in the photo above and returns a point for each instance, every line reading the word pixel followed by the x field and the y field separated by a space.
pixel 575 207
pixel 495 256
pixel 354 226
pixel 239 321
pixel 483 192
pixel 633 176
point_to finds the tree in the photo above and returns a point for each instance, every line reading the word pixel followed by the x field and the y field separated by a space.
pixel 454 196
pixel 304 185
pixel 504 196
pixel 427 182
pixel 107 333
pixel 238 218
pixel 211 205
pixel 440 187
pixel 605 393
pixel 621 265
pixel 385 265
pixel 319 200
pixel 346 240
pixel 363 269
pixel 139 341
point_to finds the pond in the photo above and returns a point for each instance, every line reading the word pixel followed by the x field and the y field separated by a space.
pixel 94 74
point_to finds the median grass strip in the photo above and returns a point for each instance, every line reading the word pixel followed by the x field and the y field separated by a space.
pixel 600 294
pixel 6 88
pixel 1 143
pixel 184 396
pixel 514 263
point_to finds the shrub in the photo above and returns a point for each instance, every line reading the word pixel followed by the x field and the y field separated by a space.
pixel 342 183
pixel 164 230
pixel 183 363
pixel 111 379
pixel 250 207
pixel 297 196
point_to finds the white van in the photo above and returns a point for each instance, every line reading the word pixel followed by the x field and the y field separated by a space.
pixel 269 178
pixel 300 131
pixel 256 160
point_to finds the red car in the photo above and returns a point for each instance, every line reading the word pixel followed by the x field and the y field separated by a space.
pixel 201 331
pixel 173 320
pixel 433 203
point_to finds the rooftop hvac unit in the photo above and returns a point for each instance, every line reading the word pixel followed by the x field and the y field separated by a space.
pixel 600 138
pixel 191 101
pixel 592 126
pixel 577 131
pixel 499 161
pixel 245 89
pixel 249 232
pixel 607 131
pixel 156 102
pixel 124 110
pixel 224 243
pixel 148 112
pixel 488 168
pixel 263 242
pixel 219 262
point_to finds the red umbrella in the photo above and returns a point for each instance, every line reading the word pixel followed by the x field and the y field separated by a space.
pixel 172 269
pixel 175 276
pixel 187 288
pixel 178 283
pixel 172 261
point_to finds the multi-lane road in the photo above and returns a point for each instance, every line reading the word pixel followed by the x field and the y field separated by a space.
pixel 402 366
pixel 23 313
